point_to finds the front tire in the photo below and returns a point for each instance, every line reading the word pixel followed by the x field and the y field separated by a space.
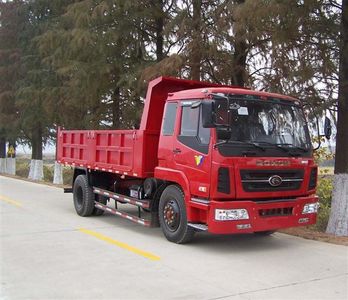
pixel 173 217
pixel 83 196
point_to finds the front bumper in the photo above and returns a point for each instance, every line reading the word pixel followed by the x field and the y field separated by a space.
pixel 262 215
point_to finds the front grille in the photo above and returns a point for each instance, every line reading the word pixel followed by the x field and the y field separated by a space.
pixel 275 212
pixel 259 180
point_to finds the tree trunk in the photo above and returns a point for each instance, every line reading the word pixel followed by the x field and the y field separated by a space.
pixel 239 55
pixel 11 165
pixel 239 62
pixel 36 164
pixel 58 173
pixel 2 155
pixel 2 147
pixel 37 143
pixel 159 23
pixel 338 222
pixel 196 44
pixel 116 114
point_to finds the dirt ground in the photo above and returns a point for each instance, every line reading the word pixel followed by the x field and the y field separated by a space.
pixel 305 232
pixel 312 234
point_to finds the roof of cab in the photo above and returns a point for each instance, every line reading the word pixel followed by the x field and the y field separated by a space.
pixel 203 92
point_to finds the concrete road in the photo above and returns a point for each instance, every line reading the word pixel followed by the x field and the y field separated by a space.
pixel 48 252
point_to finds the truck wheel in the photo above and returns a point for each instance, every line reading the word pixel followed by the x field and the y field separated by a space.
pixel 83 196
pixel 102 200
pixel 172 216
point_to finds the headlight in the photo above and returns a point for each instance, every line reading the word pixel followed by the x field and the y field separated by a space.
pixel 310 208
pixel 231 214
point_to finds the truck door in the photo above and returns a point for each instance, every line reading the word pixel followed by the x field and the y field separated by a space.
pixel 165 152
pixel 191 149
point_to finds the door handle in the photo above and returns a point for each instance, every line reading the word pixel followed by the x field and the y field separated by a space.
pixel 176 151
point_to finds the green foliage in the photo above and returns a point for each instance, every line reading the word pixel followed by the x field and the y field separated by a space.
pixel 68 174
pixel 321 155
pixel 324 191
pixel 85 64
pixel 11 23
pixel 22 167
pixel 48 171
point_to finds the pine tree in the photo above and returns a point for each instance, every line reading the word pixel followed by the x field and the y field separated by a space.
pixel 34 87
pixel 96 49
pixel 338 222
pixel 11 24
pixel 293 48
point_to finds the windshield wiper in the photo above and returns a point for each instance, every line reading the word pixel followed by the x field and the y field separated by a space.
pixel 292 146
pixel 281 146
pixel 239 142
pixel 285 149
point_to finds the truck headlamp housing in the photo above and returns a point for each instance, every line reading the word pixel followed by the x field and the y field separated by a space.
pixel 310 208
pixel 231 214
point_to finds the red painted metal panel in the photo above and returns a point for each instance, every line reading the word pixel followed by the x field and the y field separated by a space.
pixel 257 222
pixel 128 152
pixel 157 94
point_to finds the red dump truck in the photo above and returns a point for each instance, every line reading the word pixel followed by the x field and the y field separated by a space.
pixel 206 157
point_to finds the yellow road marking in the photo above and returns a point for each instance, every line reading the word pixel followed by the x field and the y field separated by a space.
pixel 10 201
pixel 120 244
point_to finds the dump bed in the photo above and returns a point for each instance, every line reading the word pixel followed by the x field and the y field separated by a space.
pixel 127 152
pixel 116 151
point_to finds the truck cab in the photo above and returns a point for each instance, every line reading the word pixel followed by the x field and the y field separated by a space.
pixel 243 159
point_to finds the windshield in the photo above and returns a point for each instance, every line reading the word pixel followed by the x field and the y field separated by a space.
pixel 273 123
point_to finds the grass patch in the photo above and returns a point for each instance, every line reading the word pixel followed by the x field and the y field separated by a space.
pixel 324 191
pixel 68 174
pixel 48 171
pixel 23 167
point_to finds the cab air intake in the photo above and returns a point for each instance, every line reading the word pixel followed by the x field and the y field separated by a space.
pixel 223 181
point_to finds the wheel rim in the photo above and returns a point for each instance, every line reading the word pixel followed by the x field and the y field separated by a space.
pixel 79 196
pixel 171 215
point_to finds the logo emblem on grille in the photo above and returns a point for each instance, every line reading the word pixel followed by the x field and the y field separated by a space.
pixel 275 180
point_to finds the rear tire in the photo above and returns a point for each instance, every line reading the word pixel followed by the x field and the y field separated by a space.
pixel 83 196
pixel 172 216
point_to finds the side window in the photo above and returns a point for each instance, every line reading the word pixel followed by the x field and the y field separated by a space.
pixel 169 119
pixel 192 133
pixel 189 121
pixel 203 133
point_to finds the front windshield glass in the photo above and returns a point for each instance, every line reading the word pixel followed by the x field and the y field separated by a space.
pixel 275 122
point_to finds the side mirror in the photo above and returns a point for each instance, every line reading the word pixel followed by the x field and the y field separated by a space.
pixel 327 128
pixel 208 114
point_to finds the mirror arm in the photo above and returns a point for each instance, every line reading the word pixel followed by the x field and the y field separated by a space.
pixel 319 136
